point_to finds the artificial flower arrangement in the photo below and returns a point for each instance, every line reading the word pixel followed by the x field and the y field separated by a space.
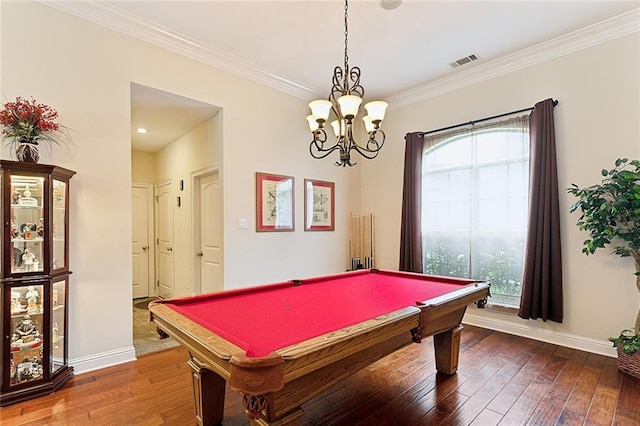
pixel 26 123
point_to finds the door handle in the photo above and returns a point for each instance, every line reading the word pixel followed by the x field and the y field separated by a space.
pixel 145 248
pixel 199 254
pixel 169 248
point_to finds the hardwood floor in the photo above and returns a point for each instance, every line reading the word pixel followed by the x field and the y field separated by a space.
pixel 502 379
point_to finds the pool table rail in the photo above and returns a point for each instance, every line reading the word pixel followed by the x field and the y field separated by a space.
pixel 348 333
pixel 195 337
pixel 331 347
pixel 440 313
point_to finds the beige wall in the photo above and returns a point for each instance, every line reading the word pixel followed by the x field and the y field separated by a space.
pixel 85 72
pixel 143 167
pixel 597 121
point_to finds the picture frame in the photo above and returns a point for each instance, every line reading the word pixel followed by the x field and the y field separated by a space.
pixel 274 203
pixel 319 205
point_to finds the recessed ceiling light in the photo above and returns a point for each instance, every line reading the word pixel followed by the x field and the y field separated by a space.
pixel 390 4
pixel 142 130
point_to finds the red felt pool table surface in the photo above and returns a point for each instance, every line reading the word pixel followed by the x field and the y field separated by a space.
pixel 263 319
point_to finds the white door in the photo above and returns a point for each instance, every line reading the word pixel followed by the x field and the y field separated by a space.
pixel 208 233
pixel 142 218
pixel 164 240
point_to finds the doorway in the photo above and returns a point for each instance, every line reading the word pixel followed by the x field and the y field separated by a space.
pixel 164 240
pixel 207 232
pixel 142 246
pixel 163 159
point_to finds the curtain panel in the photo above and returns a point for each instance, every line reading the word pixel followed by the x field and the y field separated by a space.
pixel 410 232
pixel 541 295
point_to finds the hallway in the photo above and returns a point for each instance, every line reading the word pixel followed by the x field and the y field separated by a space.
pixel 145 338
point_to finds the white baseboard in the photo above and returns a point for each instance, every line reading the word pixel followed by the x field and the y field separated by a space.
pixel 102 360
pixel 601 347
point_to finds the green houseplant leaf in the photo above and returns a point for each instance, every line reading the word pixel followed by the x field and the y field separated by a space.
pixel 610 214
pixel 628 341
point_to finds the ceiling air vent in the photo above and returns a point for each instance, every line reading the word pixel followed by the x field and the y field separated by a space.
pixel 465 60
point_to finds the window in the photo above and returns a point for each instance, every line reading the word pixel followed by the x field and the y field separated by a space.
pixel 474 205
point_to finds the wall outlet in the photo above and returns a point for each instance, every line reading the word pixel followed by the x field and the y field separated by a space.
pixel 242 224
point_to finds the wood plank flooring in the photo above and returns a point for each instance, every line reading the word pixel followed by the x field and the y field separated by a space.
pixel 502 380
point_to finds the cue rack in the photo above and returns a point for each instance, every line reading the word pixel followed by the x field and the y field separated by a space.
pixel 361 241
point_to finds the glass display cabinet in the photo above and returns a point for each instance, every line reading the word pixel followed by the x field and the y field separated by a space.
pixel 34 280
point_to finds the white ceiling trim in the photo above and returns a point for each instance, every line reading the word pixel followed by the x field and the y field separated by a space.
pixel 592 35
pixel 116 19
pixel 126 23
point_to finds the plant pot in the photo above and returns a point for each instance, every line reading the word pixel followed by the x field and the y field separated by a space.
pixel 629 363
pixel 27 152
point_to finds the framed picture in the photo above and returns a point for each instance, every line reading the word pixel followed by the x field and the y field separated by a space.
pixel 319 210
pixel 274 203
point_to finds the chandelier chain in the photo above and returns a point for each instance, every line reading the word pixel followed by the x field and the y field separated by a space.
pixel 346 38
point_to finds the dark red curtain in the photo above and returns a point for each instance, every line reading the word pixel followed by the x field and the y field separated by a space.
pixel 542 281
pixel 410 231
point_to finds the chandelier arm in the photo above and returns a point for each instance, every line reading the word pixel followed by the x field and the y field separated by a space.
pixel 374 141
pixel 373 145
pixel 355 88
pixel 366 151
pixel 325 152
pixel 338 87
pixel 321 156
pixel 369 155
pixel 317 144
pixel 319 138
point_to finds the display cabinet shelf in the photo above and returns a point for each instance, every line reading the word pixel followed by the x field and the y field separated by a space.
pixel 34 280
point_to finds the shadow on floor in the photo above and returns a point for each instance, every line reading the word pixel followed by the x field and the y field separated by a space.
pixel 145 337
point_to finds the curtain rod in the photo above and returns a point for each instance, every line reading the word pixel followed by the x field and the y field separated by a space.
pixel 471 123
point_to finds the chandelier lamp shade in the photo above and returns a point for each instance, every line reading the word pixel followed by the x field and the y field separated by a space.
pixel 343 107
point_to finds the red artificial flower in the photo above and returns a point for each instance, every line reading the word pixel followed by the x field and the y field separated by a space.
pixel 27 121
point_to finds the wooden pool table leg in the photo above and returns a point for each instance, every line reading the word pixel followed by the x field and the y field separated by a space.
pixel 208 394
pixel 291 419
pixel 447 348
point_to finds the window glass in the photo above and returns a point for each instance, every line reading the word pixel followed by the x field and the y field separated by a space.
pixel 474 208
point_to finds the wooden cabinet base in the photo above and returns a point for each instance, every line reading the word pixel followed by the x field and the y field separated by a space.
pixel 60 378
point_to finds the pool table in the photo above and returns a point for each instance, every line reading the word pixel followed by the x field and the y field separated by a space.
pixel 281 344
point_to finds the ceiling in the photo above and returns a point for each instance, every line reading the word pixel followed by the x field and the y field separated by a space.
pixel 165 116
pixel 295 45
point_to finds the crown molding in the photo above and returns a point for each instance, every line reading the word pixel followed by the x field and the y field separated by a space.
pixel 592 35
pixel 123 22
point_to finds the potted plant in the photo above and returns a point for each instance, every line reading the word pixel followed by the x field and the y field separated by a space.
pixel 610 213
pixel 26 123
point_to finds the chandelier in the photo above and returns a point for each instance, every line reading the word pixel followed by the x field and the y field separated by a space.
pixel 344 100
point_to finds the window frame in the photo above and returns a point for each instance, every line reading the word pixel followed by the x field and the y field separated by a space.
pixel 474 166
